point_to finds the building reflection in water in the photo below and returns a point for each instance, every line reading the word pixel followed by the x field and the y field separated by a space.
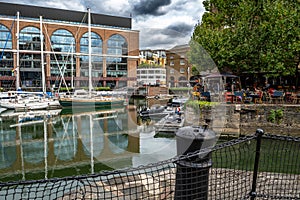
pixel 72 144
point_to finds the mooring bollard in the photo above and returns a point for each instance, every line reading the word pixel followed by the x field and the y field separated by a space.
pixel 193 171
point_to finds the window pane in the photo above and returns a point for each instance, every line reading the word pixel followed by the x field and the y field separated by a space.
pixel 117 46
pixel 62 58
pixel 5 38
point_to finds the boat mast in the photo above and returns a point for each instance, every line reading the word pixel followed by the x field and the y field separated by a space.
pixel 90 51
pixel 42 56
pixel 17 70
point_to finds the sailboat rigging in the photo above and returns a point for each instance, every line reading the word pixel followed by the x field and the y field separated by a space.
pixel 82 98
pixel 23 100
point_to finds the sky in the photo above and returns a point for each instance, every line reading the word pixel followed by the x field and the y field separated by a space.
pixel 163 24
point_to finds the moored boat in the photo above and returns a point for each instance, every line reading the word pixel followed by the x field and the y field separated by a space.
pixel 82 98
pixel 154 112
pixel 24 102
pixel 170 123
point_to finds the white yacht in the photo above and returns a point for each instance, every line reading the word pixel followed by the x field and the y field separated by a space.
pixel 24 102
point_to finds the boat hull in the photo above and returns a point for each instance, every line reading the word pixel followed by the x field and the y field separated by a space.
pixel 170 123
pixel 90 103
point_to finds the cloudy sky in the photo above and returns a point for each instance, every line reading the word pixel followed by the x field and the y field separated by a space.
pixel 162 23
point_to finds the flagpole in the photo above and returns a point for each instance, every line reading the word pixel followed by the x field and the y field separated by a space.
pixel 17 70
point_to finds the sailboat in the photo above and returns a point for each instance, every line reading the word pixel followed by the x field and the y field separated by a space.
pixel 83 98
pixel 22 100
pixel 25 101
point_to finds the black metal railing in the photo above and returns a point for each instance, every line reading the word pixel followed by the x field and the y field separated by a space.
pixel 260 166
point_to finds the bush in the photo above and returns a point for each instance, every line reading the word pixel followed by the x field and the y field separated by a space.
pixel 275 116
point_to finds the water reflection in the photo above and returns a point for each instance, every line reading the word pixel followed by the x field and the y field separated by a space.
pixel 76 144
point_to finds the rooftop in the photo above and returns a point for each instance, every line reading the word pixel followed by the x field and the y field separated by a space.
pixel 28 11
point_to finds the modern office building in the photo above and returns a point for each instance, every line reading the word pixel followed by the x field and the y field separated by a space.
pixel 151 76
pixel 178 69
pixel 38 43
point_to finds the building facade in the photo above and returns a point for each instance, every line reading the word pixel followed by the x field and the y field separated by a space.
pixel 178 69
pixel 152 67
pixel 39 44
pixel 151 76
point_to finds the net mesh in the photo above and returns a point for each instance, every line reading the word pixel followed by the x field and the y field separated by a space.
pixel 227 173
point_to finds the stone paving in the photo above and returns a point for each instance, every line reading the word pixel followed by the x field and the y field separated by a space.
pixel 224 184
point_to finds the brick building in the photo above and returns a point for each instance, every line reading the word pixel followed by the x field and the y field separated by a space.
pixel 61 56
pixel 178 68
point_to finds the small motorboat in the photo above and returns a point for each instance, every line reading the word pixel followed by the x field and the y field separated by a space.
pixel 154 112
pixel 170 123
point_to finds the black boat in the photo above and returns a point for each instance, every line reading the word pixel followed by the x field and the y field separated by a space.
pixel 154 112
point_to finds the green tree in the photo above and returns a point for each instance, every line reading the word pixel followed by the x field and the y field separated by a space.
pixel 247 35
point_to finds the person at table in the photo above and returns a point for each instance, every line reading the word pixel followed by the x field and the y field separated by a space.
pixel 259 94
pixel 257 90
pixel 271 91
pixel 267 86
pixel 248 97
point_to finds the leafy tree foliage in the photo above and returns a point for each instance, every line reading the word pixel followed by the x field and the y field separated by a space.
pixel 248 36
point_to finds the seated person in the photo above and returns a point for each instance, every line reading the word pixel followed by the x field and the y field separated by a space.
pixel 271 90
pixel 248 97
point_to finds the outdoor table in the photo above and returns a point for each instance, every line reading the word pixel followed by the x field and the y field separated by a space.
pixel 254 97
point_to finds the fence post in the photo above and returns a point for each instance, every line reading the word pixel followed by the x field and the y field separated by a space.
pixel 192 172
pixel 259 133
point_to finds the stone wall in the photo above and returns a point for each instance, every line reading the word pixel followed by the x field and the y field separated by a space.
pixel 245 119
pixel 258 116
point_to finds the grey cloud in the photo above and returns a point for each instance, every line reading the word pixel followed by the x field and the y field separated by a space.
pixel 181 4
pixel 149 7
pixel 181 28
pixel 162 38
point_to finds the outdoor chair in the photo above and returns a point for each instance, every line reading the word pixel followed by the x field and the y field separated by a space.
pixel 266 97
pixel 277 97
pixel 259 98
pixel 295 98
pixel 248 99
pixel 238 97
pixel 228 97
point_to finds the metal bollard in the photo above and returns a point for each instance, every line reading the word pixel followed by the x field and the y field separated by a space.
pixel 192 173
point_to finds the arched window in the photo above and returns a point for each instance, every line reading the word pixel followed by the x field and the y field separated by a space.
pixel 5 38
pixel 182 78
pixel 172 81
pixel 182 81
pixel 62 56
pixel 96 55
pixel 30 41
pixel 116 63
pixel 6 56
